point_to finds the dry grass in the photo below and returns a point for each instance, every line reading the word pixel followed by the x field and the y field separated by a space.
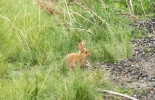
pixel 48 7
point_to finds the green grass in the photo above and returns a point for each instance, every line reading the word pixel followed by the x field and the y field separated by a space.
pixel 34 44
pixel 47 83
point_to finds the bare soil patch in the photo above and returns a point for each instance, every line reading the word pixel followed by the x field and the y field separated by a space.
pixel 138 72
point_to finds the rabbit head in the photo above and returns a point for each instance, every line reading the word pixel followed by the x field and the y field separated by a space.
pixel 85 53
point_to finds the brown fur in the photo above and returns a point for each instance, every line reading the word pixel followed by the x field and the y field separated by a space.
pixel 78 59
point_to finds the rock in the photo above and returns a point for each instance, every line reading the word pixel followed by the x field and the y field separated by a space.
pixel 149 78
pixel 153 86
pixel 144 75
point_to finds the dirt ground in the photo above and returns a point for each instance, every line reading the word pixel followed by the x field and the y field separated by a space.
pixel 138 72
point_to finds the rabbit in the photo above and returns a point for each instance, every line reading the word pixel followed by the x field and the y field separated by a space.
pixel 78 59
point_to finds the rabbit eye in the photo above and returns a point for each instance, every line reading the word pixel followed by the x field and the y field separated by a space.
pixel 86 52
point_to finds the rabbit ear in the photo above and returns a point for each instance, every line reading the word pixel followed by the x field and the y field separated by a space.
pixel 83 43
pixel 80 46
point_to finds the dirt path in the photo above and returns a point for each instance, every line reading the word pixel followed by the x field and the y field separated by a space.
pixel 139 71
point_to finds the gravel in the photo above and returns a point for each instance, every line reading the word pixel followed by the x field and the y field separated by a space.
pixel 138 72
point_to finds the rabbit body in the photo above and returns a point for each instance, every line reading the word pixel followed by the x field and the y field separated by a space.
pixel 78 59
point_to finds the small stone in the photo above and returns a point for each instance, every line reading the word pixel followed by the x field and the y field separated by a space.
pixel 144 75
pixel 149 79
pixel 149 88
pixel 154 86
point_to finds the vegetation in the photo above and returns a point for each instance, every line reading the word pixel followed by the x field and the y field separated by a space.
pixel 33 45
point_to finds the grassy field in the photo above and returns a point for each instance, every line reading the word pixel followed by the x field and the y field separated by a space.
pixel 33 45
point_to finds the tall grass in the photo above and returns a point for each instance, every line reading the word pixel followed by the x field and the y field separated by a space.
pixel 32 48
pixel 41 83
pixel 32 38
pixel 107 34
